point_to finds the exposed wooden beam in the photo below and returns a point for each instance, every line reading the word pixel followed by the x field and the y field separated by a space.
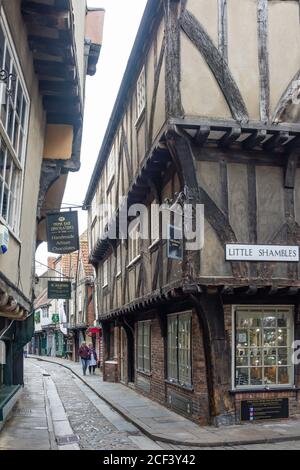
pixel 230 137
pixel 255 139
pixel 56 88
pixel 276 141
pixel 263 55
pixel 199 37
pixel 290 170
pixel 202 135
pixel 223 29
pixel 44 69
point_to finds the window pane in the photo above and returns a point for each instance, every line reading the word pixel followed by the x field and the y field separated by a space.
pixel 184 347
pixel 8 169
pixel 270 337
pixel 282 339
pixel 242 339
pixel 5 203
pixel 256 376
pixel 270 375
pixel 172 349
pixel 269 321
pixel 242 376
pixel 255 337
pixel 284 375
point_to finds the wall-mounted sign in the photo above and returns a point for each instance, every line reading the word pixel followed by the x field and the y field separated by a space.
pixel 62 232
pixel 175 243
pixel 55 318
pixel 59 290
pixel 257 410
pixel 262 253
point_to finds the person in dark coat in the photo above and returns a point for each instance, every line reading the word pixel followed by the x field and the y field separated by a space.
pixel 84 354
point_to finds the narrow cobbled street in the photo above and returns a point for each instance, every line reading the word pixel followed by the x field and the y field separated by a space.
pixel 94 424
pixel 59 412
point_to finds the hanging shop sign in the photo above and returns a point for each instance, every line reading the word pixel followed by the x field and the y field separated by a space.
pixel 62 232
pixel 258 410
pixel 263 253
pixel 174 243
pixel 59 290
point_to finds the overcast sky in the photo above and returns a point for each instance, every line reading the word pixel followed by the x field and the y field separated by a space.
pixel 121 23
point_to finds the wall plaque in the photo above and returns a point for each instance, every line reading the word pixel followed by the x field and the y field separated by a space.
pixel 258 410
pixel 62 232
pixel 263 253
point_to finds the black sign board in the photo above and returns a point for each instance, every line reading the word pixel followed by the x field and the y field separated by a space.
pixel 258 410
pixel 175 245
pixel 59 290
pixel 62 232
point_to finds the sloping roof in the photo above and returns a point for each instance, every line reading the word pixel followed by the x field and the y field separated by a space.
pixel 42 299
pixel 153 10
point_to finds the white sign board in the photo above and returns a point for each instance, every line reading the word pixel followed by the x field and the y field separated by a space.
pixel 274 253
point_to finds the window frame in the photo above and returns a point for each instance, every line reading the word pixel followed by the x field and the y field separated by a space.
pixel 18 157
pixel 105 274
pixel 142 324
pixel 141 95
pixel 176 381
pixel 291 312
pixel 134 243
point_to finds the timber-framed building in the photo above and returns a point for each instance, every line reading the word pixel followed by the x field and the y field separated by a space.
pixel 208 107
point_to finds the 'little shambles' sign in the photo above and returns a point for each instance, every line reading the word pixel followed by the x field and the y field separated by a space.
pixel 263 253
pixel 62 232
pixel 59 290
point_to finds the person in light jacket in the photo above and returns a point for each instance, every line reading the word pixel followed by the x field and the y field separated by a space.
pixel 93 359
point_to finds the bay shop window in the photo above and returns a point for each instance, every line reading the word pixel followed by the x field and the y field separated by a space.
pixel 263 347
pixel 13 132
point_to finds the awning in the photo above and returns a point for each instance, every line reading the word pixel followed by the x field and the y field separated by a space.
pixel 94 331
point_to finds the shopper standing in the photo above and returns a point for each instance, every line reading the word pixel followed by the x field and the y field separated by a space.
pixel 84 354
pixel 93 359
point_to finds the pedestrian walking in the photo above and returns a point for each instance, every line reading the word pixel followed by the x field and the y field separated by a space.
pixel 93 359
pixel 84 354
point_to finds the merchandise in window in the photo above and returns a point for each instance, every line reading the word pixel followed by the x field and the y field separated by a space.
pixel 263 347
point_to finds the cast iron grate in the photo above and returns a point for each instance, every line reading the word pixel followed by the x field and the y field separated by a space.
pixel 65 440
pixel 22 412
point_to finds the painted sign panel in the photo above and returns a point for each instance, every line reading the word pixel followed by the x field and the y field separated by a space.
pixel 62 232
pixel 59 290
pixel 258 410
pixel 263 253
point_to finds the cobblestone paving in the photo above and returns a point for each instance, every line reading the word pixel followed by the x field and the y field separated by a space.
pixel 94 430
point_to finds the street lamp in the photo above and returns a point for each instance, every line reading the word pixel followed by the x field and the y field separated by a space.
pixel 8 79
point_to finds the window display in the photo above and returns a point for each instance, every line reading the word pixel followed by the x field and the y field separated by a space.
pixel 263 347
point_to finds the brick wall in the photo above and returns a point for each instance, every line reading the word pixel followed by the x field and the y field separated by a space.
pixel 160 389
